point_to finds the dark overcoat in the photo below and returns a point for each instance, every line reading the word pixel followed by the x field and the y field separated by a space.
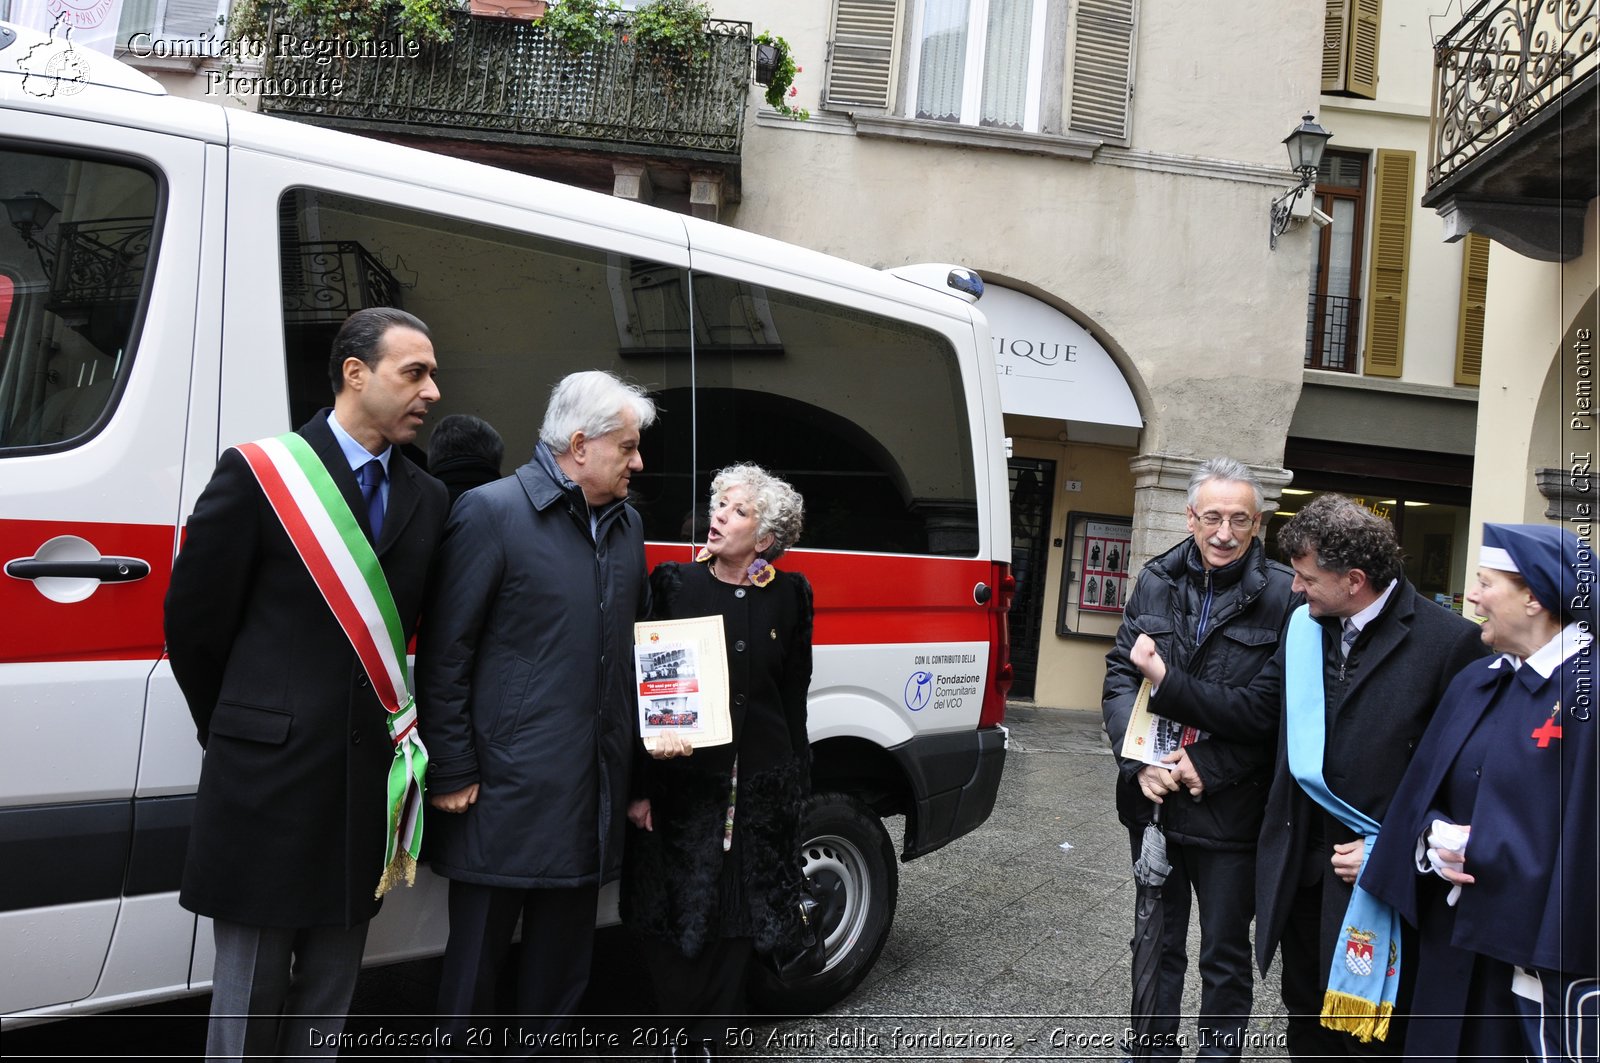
pixel 289 822
pixel 680 885
pixel 524 681
pixel 1226 682
pixel 1535 817
pixel 1397 672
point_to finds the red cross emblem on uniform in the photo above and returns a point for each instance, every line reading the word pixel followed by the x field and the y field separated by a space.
pixel 1550 729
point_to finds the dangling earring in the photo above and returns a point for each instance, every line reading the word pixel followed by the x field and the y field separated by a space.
pixel 703 556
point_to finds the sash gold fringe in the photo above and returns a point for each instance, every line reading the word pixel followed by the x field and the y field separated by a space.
pixel 1356 1016
pixel 402 868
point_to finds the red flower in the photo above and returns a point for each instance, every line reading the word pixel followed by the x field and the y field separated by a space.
pixel 794 91
pixel 624 38
pixel 799 70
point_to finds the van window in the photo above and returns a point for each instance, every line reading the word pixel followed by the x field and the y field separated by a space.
pixel 510 314
pixel 864 414
pixel 75 247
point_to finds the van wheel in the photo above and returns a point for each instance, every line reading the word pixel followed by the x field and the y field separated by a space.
pixel 848 853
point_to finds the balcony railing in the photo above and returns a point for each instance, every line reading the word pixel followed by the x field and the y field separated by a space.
pixel 99 263
pixel 1331 332
pixel 329 280
pixel 504 80
pixel 1502 64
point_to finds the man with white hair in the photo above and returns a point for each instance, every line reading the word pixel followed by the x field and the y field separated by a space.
pixel 1202 626
pixel 524 670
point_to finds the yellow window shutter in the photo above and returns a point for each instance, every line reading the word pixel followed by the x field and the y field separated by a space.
pixel 1391 257
pixel 1350 47
pixel 1102 68
pixel 1474 293
pixel 1362 70
pixel 861 56
pixel 1335 44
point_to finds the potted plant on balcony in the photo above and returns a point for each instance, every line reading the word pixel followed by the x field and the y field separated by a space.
pixel 580 26
pixel 776 69
pixel 340 20
pixel 671 36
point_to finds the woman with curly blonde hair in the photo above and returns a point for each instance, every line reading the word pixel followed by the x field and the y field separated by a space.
pixel 706 889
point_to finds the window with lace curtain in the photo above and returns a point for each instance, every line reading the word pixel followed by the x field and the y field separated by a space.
pixel 978 62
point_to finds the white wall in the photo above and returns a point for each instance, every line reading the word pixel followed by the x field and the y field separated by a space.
pixel 1522 408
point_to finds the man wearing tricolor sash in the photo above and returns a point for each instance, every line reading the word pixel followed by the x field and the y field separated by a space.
pixel 292 600
pixel 1366 661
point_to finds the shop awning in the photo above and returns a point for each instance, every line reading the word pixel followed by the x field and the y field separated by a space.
pixel 1050 366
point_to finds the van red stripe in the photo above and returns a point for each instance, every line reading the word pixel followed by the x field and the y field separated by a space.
pixel 861 598
pixel 118 622
pixel 877 598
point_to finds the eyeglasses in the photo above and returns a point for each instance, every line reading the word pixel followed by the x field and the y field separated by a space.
pixel 1238 522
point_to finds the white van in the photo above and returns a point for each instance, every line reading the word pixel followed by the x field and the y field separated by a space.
pixel 171 273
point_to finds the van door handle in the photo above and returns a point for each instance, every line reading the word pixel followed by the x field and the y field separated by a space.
pixel 106 569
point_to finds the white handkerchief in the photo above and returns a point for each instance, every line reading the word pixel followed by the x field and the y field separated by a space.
pixel 1452 836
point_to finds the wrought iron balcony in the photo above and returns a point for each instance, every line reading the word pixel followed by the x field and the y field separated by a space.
pixel 504 80
pixel 328 280
pixel 99 263
pixel 1503 65
pixel 1331 322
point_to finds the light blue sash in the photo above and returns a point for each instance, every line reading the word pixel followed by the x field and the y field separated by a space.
pixel 1361 985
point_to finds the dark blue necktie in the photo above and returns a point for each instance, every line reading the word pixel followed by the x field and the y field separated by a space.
pixel 370 477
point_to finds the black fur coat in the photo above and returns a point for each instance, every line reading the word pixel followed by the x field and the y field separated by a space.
pixel 678 882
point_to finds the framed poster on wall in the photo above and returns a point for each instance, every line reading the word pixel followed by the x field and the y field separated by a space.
pixel 1096 580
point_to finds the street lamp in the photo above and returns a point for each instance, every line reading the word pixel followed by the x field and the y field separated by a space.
pixel 29 214
pixel 1305 143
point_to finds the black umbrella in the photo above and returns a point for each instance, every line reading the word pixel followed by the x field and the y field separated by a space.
pixel 1150 873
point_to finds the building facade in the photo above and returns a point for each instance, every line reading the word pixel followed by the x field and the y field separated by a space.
pixel 1514 158
pixel 1395 315
pixel 1107 166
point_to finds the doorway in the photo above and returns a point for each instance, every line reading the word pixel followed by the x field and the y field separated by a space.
pixel 1031 483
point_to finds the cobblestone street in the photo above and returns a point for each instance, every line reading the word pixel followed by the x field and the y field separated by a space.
pixel 1005 944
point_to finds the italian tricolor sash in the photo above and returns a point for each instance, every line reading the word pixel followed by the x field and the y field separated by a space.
pixel 346 570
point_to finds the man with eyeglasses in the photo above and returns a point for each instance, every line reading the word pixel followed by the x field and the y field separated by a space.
pixel 1364 669
pixel 1202 626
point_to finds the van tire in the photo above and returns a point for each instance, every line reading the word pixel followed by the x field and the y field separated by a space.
pixel 849 853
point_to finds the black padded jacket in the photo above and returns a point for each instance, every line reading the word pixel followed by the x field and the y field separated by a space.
pixel 1229 673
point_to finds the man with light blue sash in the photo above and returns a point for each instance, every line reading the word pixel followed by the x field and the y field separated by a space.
pixel 1366 661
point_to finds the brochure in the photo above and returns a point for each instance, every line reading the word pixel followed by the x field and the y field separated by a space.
pixel 1150 737
pixel 681 667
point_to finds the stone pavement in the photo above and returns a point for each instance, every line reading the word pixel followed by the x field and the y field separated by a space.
pixel 1007 945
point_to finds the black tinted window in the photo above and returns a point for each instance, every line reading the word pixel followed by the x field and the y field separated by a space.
pixel 75 247
pixel 864 414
